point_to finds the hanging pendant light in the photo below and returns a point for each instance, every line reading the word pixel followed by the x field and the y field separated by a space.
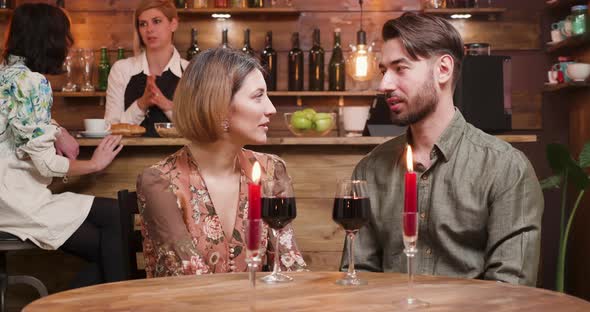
pixel 361 64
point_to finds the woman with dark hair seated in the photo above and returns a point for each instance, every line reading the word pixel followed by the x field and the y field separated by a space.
pixel 38 41
pixel 194 202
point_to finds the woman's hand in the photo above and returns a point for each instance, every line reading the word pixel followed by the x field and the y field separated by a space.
pixel 145 101
pixel 66 145
pixel 159 99
pixel 106 151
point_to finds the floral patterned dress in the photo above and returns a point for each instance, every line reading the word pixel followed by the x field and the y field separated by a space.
pixel 28 162
pixel 184 237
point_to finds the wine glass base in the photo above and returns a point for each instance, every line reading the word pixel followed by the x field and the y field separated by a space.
pixel 411 303
pixel 276 278
pixel 87 89
pixel 351 282
pixel 69 88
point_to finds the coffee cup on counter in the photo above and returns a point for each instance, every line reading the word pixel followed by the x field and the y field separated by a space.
pixel 552 76
pixel 96 125
pixel 556 36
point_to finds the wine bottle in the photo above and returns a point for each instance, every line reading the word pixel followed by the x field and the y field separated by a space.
pixel 316 64
pixel 181 4
pixel 256 3
pixel 222 3
pixel 247 48
pixel 194 48
pixel 269 61
pixel 336 72
pixel 295 65
pixel 103 69
pixel 224 43
pixel 120 53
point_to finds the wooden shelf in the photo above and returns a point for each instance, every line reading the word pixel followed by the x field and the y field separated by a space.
pixel 472 11
pixel 560 4
pixel 568 44
pixel 79 94
pixel 565 86
pixel 322 93
pixel 241 12
pixel 5 11
pixel 370 141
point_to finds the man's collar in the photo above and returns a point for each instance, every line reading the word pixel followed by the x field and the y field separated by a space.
pixel 449 139
pixel 173 64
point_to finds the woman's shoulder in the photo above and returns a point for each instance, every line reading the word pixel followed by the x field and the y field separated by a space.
pixel 262 158
pixel 18 80
pixel 128 66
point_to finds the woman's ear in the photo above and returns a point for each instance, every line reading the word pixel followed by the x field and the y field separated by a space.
pixel 174 24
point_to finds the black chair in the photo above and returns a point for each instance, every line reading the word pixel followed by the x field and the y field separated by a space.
pixel 8 243
pixel 131 238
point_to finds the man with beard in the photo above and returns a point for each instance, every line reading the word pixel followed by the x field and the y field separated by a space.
pixel 479 201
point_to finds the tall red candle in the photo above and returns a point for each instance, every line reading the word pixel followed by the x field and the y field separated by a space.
pixel 410 196
pixel 254 211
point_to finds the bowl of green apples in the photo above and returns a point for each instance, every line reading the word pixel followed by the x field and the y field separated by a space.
pixel 308 122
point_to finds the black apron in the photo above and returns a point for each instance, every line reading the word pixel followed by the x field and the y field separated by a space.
pixel 166 82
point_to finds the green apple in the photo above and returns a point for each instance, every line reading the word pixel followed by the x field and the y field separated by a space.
pixel 322 125
pixel 299 113
pixel 300 123
pixel 309 113
pixel 319 116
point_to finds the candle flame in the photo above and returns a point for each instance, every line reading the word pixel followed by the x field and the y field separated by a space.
pixel 256 173
pixel 409 159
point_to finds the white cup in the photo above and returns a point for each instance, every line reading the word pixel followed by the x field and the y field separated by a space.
pixel 552 76
pixel 95 125
pixel 556 35
pixel 354 119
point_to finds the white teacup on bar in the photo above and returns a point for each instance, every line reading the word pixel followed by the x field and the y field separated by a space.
pixel 354 119
pixel 95 125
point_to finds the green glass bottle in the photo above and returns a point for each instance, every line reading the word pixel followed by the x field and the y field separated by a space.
pixel 316 64
pixel 336 72
pixel 103 69
pixel 120 53
pixel 256 3
pixel 269 61
pixel 247 48
pixel 194 48
pixel 295 65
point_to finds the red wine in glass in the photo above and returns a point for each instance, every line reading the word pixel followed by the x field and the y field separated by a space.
pixel 277 212
pixel 351 213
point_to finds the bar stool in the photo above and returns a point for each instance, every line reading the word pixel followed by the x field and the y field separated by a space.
pixel 9 242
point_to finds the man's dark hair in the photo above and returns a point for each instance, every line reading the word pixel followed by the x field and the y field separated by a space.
pixel 41 34
pixel 424 35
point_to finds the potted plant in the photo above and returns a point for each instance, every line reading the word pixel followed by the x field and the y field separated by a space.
pixel 566 171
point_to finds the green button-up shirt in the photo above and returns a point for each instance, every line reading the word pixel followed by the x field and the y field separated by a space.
pixel 479 203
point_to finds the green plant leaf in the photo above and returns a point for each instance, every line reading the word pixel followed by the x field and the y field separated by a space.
pixel 559 158
pixel 551 182
pixel 585 156
pixel 578 177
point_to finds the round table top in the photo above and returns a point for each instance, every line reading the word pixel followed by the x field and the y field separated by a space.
pixel 310 291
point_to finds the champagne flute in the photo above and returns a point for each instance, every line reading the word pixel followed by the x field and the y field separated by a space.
pixel 410 235
pixel 352 208
pixel 278 210
pixel 87 59
pixel 68 65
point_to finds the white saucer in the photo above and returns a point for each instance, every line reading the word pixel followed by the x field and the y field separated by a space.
pixel 95 134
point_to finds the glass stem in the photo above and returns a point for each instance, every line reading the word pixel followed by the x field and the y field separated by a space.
pixel 351 272
pixel 276 267
pixel 410 276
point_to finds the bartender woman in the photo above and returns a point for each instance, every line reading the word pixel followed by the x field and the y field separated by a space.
pixel 140 88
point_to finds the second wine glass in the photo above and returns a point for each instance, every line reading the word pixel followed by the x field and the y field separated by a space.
pixel 278 210
pixel 352 209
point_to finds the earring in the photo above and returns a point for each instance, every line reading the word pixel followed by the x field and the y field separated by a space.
pixel 225 125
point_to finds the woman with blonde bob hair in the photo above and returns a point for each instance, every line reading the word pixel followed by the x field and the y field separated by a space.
pixel 140 88
pixel 194 202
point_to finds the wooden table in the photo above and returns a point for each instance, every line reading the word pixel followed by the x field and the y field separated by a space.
pixel 311 291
